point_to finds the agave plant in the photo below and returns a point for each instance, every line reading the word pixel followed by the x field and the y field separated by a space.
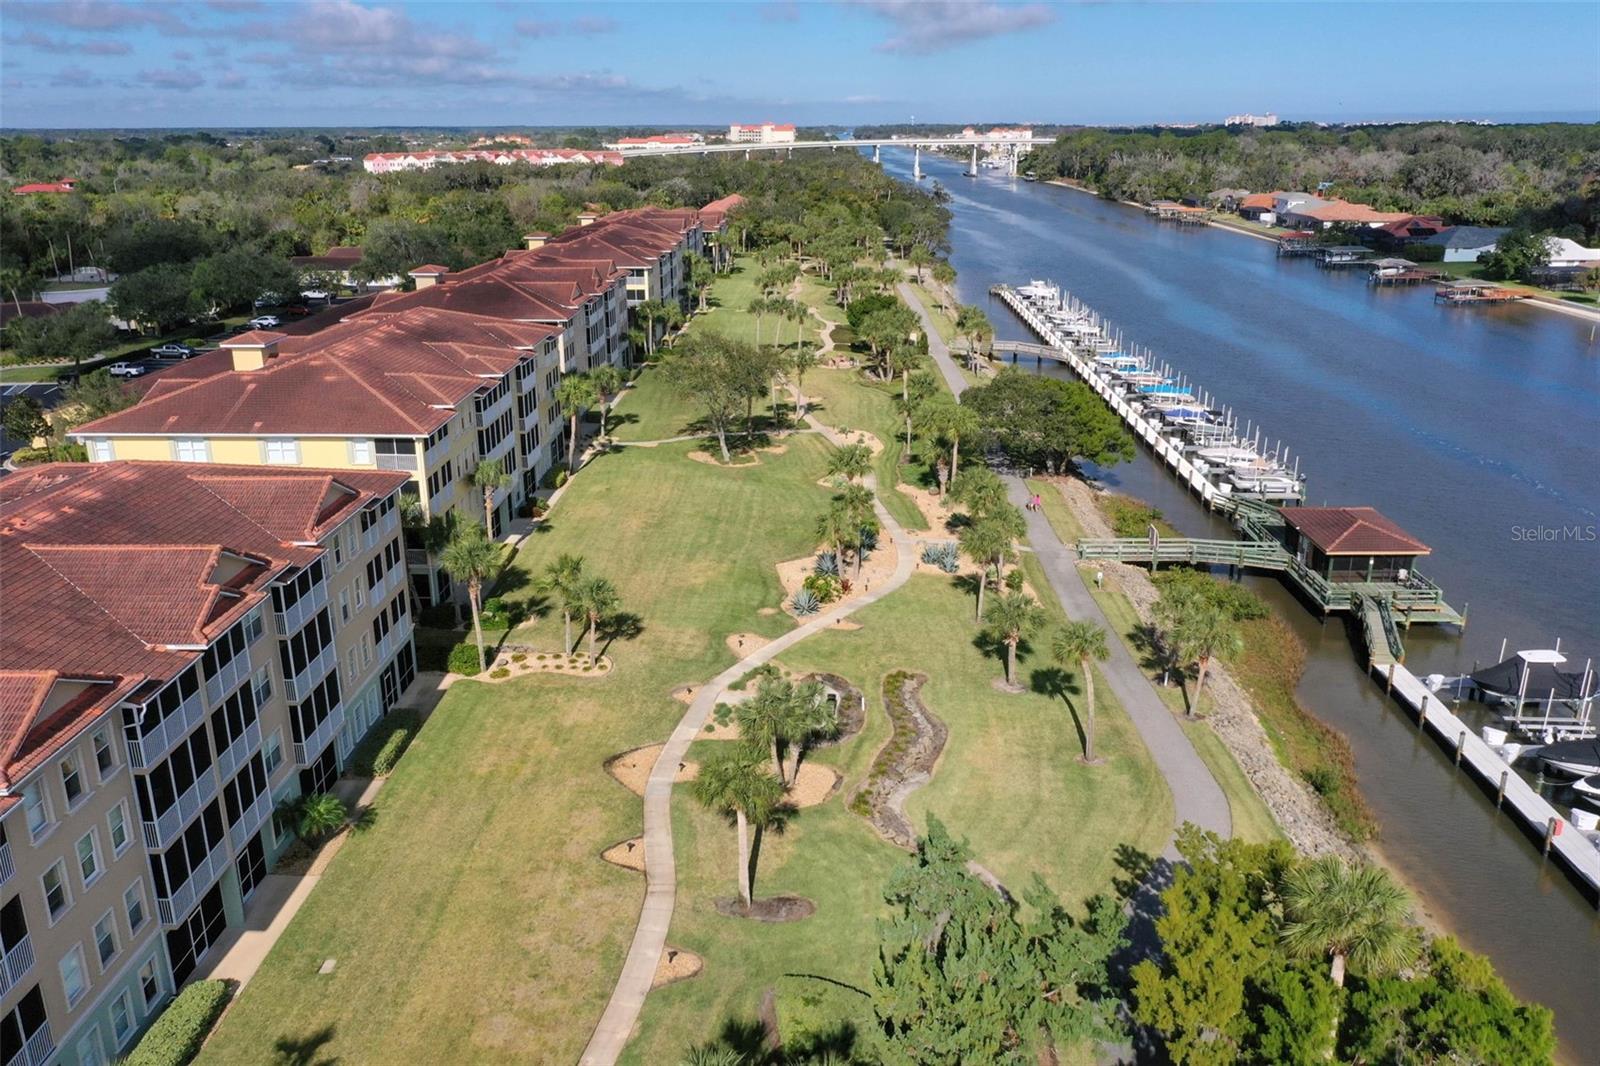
pixel 946 556
pixel 869 540
pixel 805 602
pixel 827 563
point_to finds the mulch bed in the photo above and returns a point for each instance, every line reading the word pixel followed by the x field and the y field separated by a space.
pixel 852 707
pixel 904 763
pixel 772 909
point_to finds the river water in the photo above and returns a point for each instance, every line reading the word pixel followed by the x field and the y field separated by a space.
pixel 1476 429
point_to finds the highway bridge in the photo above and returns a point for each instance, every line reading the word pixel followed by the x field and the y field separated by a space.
pixel 876 144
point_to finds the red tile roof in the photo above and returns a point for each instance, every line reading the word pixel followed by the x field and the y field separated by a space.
pixel 252 339
pixel 1258 200
pixel 43 186
pixel 429 268
pixel 1352 531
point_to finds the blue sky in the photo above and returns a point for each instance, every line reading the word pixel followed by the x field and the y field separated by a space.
pixel 97 63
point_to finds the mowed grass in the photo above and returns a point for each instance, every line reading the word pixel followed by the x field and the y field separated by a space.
pixel 847 399
pixel 1010 781
pixel 474 921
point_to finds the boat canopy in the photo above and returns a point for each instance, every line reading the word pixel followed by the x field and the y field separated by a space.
pixel 1576 752
pixel 1505 679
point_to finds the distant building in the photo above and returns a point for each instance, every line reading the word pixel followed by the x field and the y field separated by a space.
pixel 1258 121
pixel 765 133
pixel 1259 206
pixel 1569 253
pixel 503 138
pixel 1466 244
pixel 999 133
pixel 659 140
pixel 389 162
pixel 64 185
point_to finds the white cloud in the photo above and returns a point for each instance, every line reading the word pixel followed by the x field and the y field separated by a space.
pixel 176 80
pixel 94 15
pixel 45 43
pixel 586 25
pixel 925 26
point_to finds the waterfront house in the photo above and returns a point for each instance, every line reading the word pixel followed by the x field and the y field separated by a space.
pixel 1259 207
pixel 1466 244
pixel 1407 230
pixel 1345 544
pixel 1565 252
pixel 1325 214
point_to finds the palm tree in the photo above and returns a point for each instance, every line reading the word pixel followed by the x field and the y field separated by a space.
pixel 834 529
pixel 472 557
pixel 1200 633
pixel 903 360
pixel 801 360
pixel 1010 618
pixel 914 395
pixel 608 382
pixel 651 311
pixel 1353 914
pixel 488 477
pixel 759 307
pixel 988 541
pixel 561 578
pixel 973 325
pixel 771 718
pixel 314 816
pixel 860 518
pixel 981 490
pixel 575 393
pixel 1081 644
pixel 734 782
pixel 944 417
pixel 596 599
pixel 700 271
pixel 851 462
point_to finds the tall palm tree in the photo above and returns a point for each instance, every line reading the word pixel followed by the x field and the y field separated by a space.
pixel 650 312
pixel 1011 617
pixel 733 781
pixel 834 529
pixel 1081 644
pixel 473 558
pixel 595 599
pixel 1201 633
pixel 986 543
pixel 561 578
pixel 944 417
pixel 973 325
pixel 759 307
pixel 575 393
pixel 769 719
pixel 801 359
pixel 981 490
pixel 488 477
pixel 700 271
pixel 851 462
pixel 1350 914
pixel 859 516
pixel 607 381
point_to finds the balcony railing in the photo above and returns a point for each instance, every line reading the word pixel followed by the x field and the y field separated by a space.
pixel 236 754
pixel 15 963
pixel 251 819
pixel 36 1050
pixel 300 685
pixel 8 869
pixel 149 749
pixel 170 822
pixel 391 521
pixel 403 461
pixel 226 679
pixel 306 752
pixel 433 456
pixel 174 908
pixel 304 609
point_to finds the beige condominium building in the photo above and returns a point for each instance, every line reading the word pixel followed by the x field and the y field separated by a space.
pixel 184 647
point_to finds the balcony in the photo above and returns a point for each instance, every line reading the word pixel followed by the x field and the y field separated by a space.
pixel 37 1050
pixel 299 686
pixel 8 869
pixel 397 638
pixel 304 609
pixel 391 521
pixel 170 822
pixel 152 747
pixel 176 907
pixel 227 679
pixel 306 752
pixel 238 753
pixel 15 963
pixel 432 457
pixel 252 819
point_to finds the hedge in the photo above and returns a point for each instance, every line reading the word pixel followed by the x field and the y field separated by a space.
pixel 382 747
pixel 176 1036
pixel 464 659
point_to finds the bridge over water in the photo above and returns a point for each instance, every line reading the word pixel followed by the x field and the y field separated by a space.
pixel 877 144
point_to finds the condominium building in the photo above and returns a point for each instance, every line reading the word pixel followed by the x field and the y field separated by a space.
pixel 764 133
pixel 390 162
pixel 185 648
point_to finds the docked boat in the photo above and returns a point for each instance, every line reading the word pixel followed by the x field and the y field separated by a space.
pixel 1574 758
pixel 1588 786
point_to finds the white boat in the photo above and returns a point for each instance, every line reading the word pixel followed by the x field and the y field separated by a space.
pixel 1043 291
pixel 1227 455
pixel 1575 758
pixel 1588 786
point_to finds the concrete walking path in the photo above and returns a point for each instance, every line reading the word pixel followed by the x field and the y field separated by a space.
pixel 1196 796
pixel 660 868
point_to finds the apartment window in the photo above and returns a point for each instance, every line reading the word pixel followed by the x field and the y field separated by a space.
pixel 105 756
pixel 272 751
pixel 252 626
pixel 397 453
pixel 150 983
pixel 192 451
pixel 133 906
pixel 282 452
pixel 100 451
pixel 351 666
pixel 366 649
pixel 74 982
pixel 56 897
pixel 90 1051
pixel 122 1019
pixel 38 810
pixel 344 605
pixel 361 452
pixel 88 850
pixel 72 781
pixel 105 939
pixel 118 822
pixel 361 594
pixel 263 686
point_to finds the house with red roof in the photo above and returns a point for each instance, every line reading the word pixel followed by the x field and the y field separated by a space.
pixel 64 185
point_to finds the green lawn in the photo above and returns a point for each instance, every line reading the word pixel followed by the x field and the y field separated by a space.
pixel 847 399
pixel 1010 781
pixel 1474 271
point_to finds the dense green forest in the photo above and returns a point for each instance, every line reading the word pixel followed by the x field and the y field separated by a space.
pixel 1544 177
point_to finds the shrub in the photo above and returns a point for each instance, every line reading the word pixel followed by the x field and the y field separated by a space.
pixel 805 602
pixel 869 541
pixel 500 673
pixel 519 657
pixel 945 555
pixel 464 659
pixel 1236 601
pixel 827 563
pixel 176 1036
pixel 1013 581
pixel 498 614
pixel 1130 518
pixel 382 747
pixel 825 588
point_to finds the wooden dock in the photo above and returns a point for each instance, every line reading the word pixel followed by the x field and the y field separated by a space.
pixel 1476 292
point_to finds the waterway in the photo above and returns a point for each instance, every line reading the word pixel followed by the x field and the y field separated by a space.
pixel 1477 429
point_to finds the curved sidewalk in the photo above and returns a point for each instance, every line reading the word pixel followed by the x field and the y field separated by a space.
pixel 660 868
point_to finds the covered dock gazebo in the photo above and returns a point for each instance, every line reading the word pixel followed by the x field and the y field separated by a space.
pixel 1345 544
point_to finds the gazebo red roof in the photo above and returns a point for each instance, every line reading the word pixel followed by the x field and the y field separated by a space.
pixel 1352 531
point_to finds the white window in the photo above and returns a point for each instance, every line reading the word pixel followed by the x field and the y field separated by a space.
pixel 105 939
pixel 100 451
pixel 352 667
pixel 361 452
pixel 118 822
pixel 72 781
pixel 361 592
pixel 90 1051
pixel 74 981
pixel 57 897
pixel 263 686
pixel 38 810
pixel 272 751
pixel 344 605
pixel 122 1022
pixel 283 452
pixel 338 551
pixel 133 906
pixel 88 850
pixel 252 626
pixel 191 450
pixel 105 753
pixel 150 983
pixel 366 649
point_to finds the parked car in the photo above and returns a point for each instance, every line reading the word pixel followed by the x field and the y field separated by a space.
pixel 264 322
pixel 127 370
pixel 268 299
pixel 297 311
pixel 172 351
pixel 316 294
